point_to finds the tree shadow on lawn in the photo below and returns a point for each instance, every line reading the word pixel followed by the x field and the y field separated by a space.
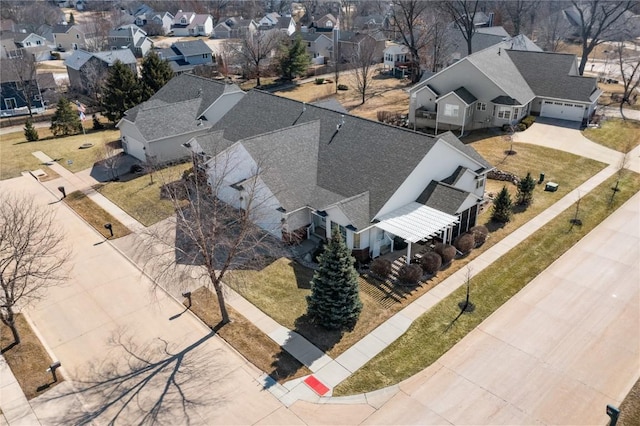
pixel 146 383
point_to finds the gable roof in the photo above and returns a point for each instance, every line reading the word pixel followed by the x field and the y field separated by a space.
pixel 350 148
pixel 128 30
pixel 548 75
pixel 80 57
pixel 63 29
pixel 190 48
pixel 443 197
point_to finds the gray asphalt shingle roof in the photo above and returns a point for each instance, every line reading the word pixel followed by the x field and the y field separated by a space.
pixel 548 75
pixel 191 48
pixel 443 197
pixel 465 95
pixel 348 159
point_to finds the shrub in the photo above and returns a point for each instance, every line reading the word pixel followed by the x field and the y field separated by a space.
pixel 55 55
pixel 521 127
pixel 97 124
pixel 319 81
pixel 465 243
pixel 480 234
pixel 528 120
pixel 30 132
pixel 446 251
pixel 410 274
pixel 431 262
pixel 381 267
pixel 343 87
pixel 502 207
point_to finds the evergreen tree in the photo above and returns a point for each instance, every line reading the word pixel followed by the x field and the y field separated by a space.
pixel 72 19
pixel 334 301
pixel 502 206
pixel 294 59
pixel 525 190
pixel 155 73
pixel 30 132
pixel 121 92
pixel 65 121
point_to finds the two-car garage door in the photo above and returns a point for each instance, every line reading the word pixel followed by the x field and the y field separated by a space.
pixel 562 110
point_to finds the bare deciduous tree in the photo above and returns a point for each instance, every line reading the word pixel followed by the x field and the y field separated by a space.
pixel 209 237
pixel 408 21
pixel 256 48
pixel 23 67
pixel 32 255
pixel 363 59
pixel 463 15
pixel 599 20
pixel 518 11
pixel 630 73
pixel 110 158
pixel 554 28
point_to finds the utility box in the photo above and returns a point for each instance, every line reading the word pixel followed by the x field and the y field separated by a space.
pixel 551 187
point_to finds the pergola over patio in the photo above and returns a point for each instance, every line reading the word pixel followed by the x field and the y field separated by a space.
pixel 414 222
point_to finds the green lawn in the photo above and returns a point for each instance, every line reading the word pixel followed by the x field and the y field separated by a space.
pixel 427 338
pixel 16 157
pixel 140 198
pixel 617 134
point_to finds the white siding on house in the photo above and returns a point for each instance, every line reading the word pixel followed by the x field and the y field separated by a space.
pixel 437 165
pixel 169 149
pixel 298 218
pixel 133 142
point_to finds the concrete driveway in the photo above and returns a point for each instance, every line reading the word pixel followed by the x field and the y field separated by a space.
pixel 562 135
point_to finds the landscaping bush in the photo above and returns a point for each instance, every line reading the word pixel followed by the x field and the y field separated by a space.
pixel 431 262
pixel 446 251
pixel 381 267
pixel 528 120
pixel 410 274
pixel 319 81
pixel 465 243
pixel 30 132
pixel 480 234
pixel 521 127
pixel 55 55
pixel 343 87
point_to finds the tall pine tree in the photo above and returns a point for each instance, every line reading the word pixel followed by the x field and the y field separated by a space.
pixel 525 190
pixel 155 73
pixel 294 59
pixel 502 206
pixel 334 301
pixel 65 121
pixel 121 92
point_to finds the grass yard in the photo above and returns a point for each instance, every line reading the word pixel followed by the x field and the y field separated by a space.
pixel 247 339
pixel 280 291
pixel 427 339
pixel 609 90
pixel 140 198
pixel 616 133
pixel 16 157
pixel 387 93
pixel 630 407
pixel 95 215
pixel 28 360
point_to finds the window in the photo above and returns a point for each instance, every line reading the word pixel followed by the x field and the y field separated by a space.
pixel 77 35
pixel 504 113
pixel 451 110
pixel 308 44
pixel 356 240
pixel 481 106
pixel 342 229
pixel 38 42
pixel 479 181
pixel 183 20
pixel 205 55
pixel 10 103
pixel 516 111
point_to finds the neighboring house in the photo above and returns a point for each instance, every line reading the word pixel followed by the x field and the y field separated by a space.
pixel 326 22
pixel 318 45
pixel 235 28
pixel 69 37
pixel 14 93
pixel 192 24
pixel 187 106
pixel 626 27
pixel 371 22
pixel 350 42
pixel 85 69
pixel 269 20
pixel 130 37
pixel 158 22
pixel 21 43
pixel 397 58
pixel 499 86
pixel 286 25
pixel 325 170
pixel 184 56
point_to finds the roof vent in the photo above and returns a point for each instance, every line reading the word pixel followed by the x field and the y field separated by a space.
pixel 341 123
pixel 499 48
pixel 304 106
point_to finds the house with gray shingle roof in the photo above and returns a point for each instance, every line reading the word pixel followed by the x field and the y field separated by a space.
pixel 323 169
pixel 501 85
pixel 192 24
pixel 130 37
pixel 184 56
pixel 85 68
pixel 185 107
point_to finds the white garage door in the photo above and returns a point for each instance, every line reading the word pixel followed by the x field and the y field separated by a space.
pixel 562 110
pixel 134 147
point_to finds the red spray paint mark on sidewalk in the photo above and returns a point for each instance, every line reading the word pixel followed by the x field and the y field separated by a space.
pixel 315 384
